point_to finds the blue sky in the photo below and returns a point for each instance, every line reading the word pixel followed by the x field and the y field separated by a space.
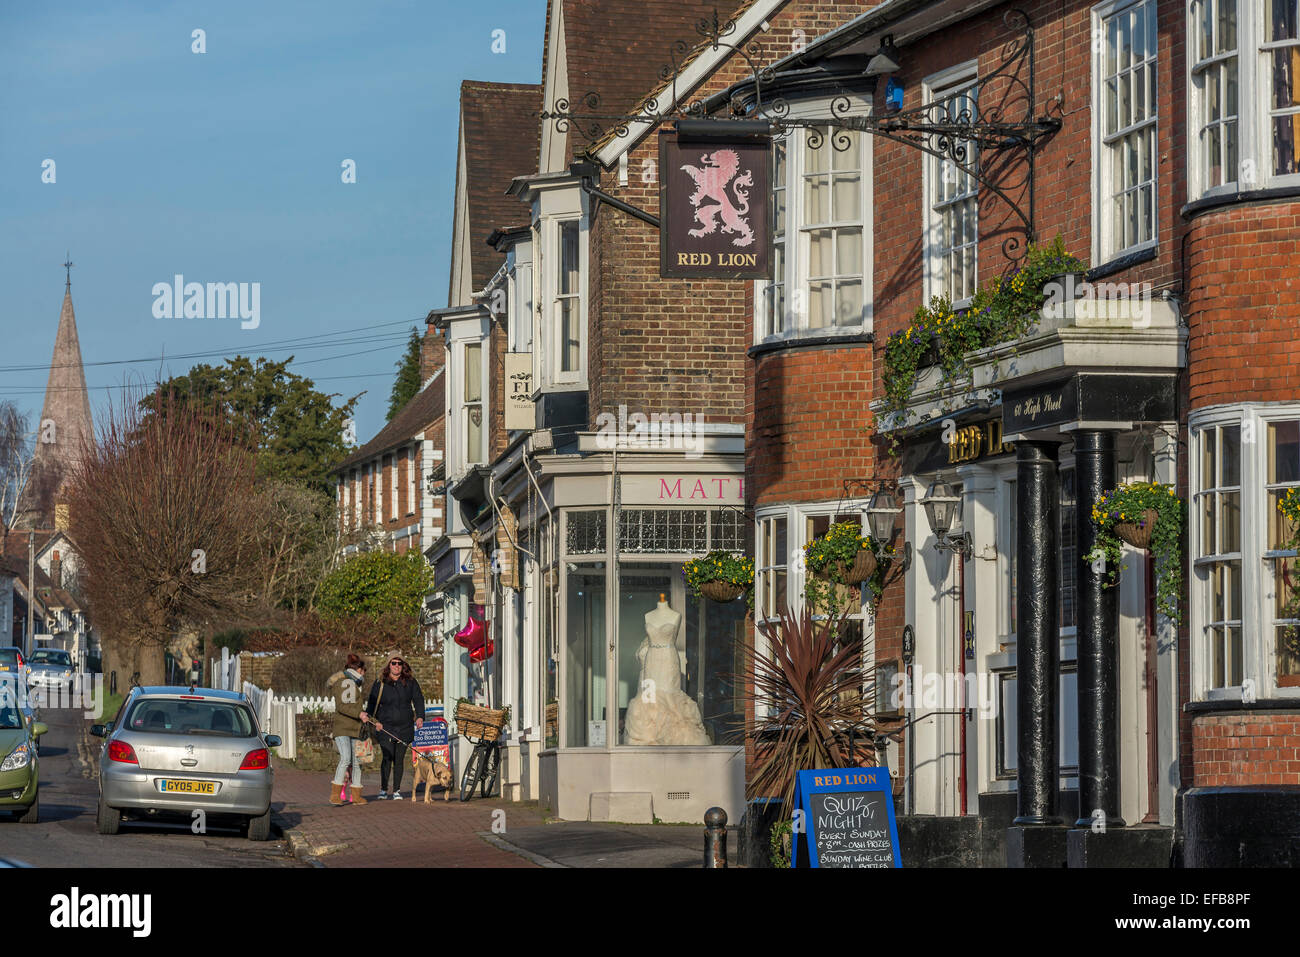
pixel 226 167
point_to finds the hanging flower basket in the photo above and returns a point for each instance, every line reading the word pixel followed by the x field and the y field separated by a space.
pixel 1138 534
pixel 721 591
pixel 719 575
pixel 1146 515
pixel 860 569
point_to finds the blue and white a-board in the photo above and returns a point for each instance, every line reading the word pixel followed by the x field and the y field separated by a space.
pixel 847 819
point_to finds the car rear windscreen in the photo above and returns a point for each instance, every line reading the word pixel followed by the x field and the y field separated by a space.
pixel 8 656
pixel 177 716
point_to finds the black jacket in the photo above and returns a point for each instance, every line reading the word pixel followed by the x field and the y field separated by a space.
pixel 398 707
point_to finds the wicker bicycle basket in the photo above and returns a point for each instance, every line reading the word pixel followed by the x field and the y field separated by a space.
pixel 1138 534
pixel 475 722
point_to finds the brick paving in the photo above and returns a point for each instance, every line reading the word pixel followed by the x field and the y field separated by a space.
pixel 402 833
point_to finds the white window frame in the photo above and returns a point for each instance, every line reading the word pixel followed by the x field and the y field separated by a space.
pixel 549 316
pixel 1254 106
pixel 795 279
pixel 940 86
pixel 1258 642
pixel 464 407
pixel 1106 154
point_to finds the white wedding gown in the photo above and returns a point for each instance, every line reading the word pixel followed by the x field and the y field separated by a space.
pixel 660 713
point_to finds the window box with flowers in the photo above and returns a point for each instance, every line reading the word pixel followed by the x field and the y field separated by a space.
pixel 719 576
pixel 1002 310
pixel 1146 515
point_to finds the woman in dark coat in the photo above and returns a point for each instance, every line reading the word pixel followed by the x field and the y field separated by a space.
pixel 396 705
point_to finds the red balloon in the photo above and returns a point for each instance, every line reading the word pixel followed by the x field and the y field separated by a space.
pixel 472 635
pixel 483 652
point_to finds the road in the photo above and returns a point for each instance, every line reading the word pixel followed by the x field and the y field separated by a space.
pixel 66 836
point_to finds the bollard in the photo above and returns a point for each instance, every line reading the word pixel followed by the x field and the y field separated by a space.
pixel 715 837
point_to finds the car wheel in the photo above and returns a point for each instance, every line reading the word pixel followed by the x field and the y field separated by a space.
pixel 259 828
pixel 109 819
pixel 32 814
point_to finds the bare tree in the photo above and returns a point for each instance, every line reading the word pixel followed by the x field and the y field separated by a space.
pixel 17 451
pixel 171 528
pixel 302 533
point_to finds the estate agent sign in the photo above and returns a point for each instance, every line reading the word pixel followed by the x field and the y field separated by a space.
pixel 715 201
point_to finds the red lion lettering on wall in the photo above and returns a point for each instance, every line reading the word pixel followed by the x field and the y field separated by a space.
pixel 718 170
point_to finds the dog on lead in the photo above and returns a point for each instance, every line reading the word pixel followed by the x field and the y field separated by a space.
pixel 430 770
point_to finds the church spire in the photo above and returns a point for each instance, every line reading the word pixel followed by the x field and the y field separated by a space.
pixel 65 420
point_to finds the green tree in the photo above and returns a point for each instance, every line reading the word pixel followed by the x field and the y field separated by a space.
pixel 375 583
pixel 408 381
pixel 297 430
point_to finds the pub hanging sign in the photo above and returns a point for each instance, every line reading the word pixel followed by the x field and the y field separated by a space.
pixel 715 201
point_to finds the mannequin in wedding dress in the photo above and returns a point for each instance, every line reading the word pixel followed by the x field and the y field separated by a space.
pixel 660 713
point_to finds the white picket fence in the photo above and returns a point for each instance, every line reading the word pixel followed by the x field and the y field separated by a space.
pixel 224 672
pixel 279 715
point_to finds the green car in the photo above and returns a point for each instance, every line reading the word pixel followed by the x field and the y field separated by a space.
pixel 19 772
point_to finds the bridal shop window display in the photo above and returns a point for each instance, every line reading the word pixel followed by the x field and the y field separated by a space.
pixel 676 656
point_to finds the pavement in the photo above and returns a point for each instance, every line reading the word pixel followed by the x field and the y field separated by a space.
pixel 478 833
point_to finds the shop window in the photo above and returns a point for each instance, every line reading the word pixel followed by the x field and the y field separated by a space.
pixel 584 532
pixel 1282 56
pixel 675 661
pixel 952 194
pixel 1125 153
pixel 821 210
pixel 1218 550
pixel 586 717
pixel 774 548
pixel 680 531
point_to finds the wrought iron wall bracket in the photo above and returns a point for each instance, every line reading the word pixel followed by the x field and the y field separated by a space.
pixel 931 128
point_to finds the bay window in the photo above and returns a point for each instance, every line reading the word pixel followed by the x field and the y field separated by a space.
pixel 472 417
pixel 567 311
pixel 821 260
pixel 1244 576
pixel 1244 95
pixel 1125 137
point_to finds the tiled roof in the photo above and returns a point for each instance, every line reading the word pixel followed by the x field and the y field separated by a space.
pixel 416 416
pixel 46 592
pixel 616 48
pixel 502 131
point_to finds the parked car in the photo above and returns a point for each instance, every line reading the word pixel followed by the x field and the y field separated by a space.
pixel 11 659
pixel 171 751
pixel 50 668
pixel 19 762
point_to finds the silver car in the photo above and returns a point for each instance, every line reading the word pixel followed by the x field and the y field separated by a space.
pixel 50 668
pixel 175 751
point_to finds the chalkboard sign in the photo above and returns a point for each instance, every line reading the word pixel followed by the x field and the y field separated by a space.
pixel 847 818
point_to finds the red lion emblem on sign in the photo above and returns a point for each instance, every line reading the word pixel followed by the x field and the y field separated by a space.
pixel 717 171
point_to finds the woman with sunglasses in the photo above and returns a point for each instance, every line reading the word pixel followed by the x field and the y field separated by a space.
pixel 396 705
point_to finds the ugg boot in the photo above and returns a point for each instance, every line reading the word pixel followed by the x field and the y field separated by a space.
pixel 355 791
pixel 336 794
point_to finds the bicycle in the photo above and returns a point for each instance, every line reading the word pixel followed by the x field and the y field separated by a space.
pixel 482 768
pixel 483 727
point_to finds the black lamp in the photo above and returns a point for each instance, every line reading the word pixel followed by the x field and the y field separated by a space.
pixel 886 59
pixel 941 504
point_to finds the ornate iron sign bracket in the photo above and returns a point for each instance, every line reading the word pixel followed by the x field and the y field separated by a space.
pixel 953 138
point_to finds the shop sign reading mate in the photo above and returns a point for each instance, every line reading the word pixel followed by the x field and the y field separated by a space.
pixel 715 200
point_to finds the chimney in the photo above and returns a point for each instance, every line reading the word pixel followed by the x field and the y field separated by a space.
pixel 433 351
pixel 56 570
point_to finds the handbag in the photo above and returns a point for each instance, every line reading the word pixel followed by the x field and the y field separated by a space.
pixel 365 750
pixel 367 733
